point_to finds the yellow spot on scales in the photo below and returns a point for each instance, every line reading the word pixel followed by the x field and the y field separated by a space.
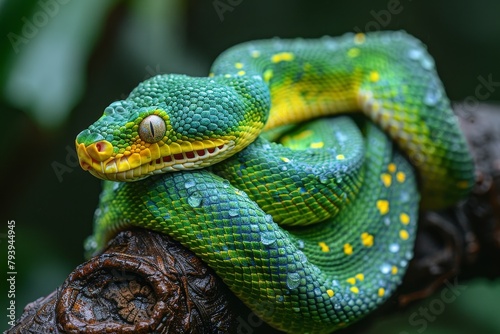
pixel 381 292
pixel 401 177
pixel 330 293
pixel 391 167
pixel 366 239
pixel 351 280
pixel 354 289
pixel 403 234
pixel 283 56
pixel 404 218
pixel 241 72
pixel 347 249
pixel 340 157
pixel 238 65
pixel 374 76
pixel 255 54
pixel 394 270
pixel 324 247
pixel 386 179
pixel 285 159
pixel 360 277
pixel 359 38
pixel 319 144
pixel 268 74
pixel 383 206
pixel 353 53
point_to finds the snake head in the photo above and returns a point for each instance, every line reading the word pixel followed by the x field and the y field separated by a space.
pixel 171 123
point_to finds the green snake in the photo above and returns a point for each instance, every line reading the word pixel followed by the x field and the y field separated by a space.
pixel 312 223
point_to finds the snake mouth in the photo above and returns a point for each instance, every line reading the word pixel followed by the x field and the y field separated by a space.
pixel 154 159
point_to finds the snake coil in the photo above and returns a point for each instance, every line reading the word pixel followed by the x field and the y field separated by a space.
pixel 254 169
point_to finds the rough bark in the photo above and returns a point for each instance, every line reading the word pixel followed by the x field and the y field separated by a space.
pixel 145 282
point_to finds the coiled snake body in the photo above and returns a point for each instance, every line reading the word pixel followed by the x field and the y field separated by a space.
pixel 314 229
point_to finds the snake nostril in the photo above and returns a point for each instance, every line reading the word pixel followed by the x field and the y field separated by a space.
pixel 100 150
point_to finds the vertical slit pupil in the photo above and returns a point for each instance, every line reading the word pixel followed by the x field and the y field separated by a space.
pixel 151 127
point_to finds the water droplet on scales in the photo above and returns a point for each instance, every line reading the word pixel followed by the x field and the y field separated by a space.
pixel 189 184
pixel 267 238
pixel 293 280
pixel 433 96
pixel 195 200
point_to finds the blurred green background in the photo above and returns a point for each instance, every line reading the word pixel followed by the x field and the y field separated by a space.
pixel 63 61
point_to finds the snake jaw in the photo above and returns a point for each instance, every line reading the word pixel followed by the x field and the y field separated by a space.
pixel 191 159
pixel 155 159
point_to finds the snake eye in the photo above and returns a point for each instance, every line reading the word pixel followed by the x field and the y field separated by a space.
pixel 152 129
